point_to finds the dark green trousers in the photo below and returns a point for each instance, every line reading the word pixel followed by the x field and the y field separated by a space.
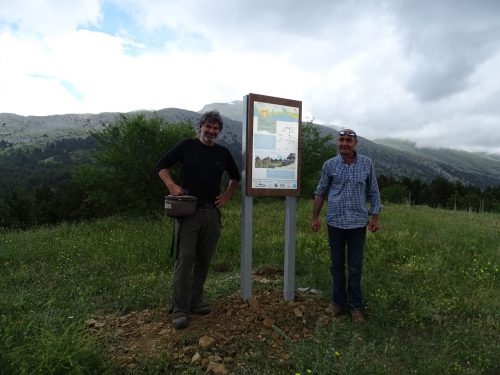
pixel 197 237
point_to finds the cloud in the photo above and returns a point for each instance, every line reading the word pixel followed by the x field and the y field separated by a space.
pixel 422 70
pixel 446 42
pixel 49 17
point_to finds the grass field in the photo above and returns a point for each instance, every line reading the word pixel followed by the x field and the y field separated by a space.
pixel 431 283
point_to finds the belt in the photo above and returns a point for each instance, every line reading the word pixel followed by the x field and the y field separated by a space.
pixel 205 205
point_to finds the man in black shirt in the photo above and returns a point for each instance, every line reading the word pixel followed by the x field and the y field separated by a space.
pixel 203 163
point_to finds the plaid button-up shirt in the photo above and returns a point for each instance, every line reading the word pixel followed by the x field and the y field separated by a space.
pixel 347 188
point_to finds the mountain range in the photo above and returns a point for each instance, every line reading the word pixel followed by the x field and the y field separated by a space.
pixel 395 158
pixel 399 158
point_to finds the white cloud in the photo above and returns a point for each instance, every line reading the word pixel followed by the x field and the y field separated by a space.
pixel 50 16
pixel 424 71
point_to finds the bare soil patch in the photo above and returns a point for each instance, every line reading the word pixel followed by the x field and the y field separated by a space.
pixel 221 342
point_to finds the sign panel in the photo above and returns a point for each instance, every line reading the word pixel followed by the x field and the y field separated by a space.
pixel 273 134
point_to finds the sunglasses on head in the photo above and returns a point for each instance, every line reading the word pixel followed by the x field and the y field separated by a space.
pixel 349 133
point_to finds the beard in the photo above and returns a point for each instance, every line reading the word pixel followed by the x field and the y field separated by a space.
pixel 208 138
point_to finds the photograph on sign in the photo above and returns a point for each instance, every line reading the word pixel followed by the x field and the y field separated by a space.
pixel 275 147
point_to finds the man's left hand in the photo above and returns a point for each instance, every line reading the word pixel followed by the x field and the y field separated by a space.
pixel 373 224
pixel 221 200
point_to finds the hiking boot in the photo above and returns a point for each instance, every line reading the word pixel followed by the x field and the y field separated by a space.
pixel 339 310
pixel 201 310
pixel 180 320
pixel 357 316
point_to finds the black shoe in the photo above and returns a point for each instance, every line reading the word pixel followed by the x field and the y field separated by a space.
pixel 357 316
pixel 201 310
pixel 339 310
pixel 180 320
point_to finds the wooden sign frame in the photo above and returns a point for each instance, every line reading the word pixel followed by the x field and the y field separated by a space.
pixel 265 184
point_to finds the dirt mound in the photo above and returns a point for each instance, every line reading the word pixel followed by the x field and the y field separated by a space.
pixel 221 342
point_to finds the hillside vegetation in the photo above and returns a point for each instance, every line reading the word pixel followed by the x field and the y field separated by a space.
pixel 391 159
pixel 431 283
pixel 113 171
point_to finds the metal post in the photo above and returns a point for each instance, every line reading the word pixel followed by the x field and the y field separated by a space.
pixel 290 235
pixel 246 248
pixel 246 218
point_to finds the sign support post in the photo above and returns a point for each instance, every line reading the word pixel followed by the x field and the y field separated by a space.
pixel 246 220
pixel 246 248
pixel 289 262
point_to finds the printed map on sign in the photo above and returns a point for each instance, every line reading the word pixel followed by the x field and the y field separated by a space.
pixel 275 146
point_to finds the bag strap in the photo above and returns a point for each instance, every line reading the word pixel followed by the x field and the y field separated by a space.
pixel 175 238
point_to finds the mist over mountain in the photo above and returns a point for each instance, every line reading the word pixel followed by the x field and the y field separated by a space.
pixel 391 157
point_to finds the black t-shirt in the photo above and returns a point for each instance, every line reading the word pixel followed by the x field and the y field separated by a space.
pixel 202 167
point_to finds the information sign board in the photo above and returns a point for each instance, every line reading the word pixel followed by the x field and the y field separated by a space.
pixel 272 149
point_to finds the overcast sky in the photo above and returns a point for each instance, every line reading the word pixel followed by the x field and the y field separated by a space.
pixel 426 71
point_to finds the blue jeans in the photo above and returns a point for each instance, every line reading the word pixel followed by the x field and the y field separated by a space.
pixel 355 241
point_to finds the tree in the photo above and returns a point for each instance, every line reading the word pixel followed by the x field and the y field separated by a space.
pixel 491 199
pixel 454 202
pixel 46 205
pixel 396 193
pixel 6 220
pixel 315 149
pixel 440 190
pixel 124 176
pixel 22 208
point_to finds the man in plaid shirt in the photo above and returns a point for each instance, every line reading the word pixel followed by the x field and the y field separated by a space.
pixel 347 182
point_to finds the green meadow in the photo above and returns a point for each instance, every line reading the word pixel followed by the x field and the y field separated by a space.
pixel 431 283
